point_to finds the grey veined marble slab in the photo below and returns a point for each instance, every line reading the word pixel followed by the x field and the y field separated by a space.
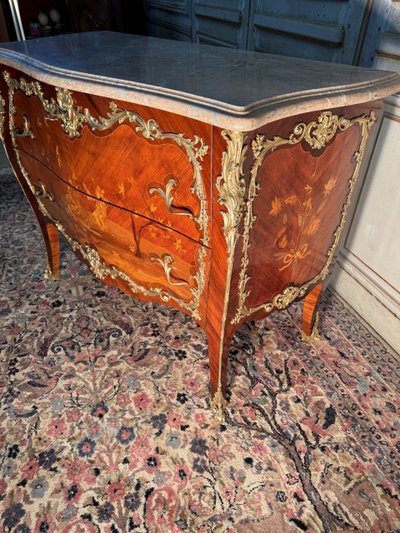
pixel 233 89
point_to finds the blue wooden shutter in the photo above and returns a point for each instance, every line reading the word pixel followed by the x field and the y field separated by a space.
pixel 325 30
pixel 169 19
pixel 221 22
pixel 381 45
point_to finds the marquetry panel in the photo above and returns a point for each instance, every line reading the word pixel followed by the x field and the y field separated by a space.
pixel 162 174
pixel 121 246
pixel 298 200
pixel 301 176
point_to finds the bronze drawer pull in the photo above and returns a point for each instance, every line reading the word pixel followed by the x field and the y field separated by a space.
pixel 40 191
pixel 26 130
pixel 166 262
pixel 166 194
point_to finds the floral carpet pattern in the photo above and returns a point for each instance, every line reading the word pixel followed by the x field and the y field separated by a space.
pixel 105 422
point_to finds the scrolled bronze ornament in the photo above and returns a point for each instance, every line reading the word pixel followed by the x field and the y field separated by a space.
pixel 26 130
pixel 166 262
pixel 318 134
pixel 231 188
pixel 231 185
pixel 167 196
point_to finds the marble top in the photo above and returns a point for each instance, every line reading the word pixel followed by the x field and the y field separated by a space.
pixel 234 89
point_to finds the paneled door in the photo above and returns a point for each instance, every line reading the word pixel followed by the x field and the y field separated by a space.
pixel 221 22
pixel 169 19
pixel 327 30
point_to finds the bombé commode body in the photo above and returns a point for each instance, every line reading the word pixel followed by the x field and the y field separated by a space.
pixel 213 180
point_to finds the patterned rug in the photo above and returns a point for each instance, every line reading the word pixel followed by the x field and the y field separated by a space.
pixel 105 421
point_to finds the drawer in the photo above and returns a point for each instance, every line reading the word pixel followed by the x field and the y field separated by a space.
pixel 117 155
pixel 142 255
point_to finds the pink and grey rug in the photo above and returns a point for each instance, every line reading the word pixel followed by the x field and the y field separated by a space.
pixel 105 426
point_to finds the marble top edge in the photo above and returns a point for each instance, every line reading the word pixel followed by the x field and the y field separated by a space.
pixel 38 67
pixel 265 103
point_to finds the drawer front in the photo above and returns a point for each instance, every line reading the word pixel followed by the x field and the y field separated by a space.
pixel 117 152
pixel 122 248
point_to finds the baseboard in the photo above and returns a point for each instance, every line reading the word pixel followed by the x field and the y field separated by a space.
pixel 368 300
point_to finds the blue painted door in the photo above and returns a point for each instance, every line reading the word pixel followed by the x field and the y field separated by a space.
pixel 221 22
pixel 325 30
pixel 169 19
pixel 381 44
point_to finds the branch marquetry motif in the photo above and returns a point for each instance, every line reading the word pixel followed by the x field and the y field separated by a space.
pixel 73 119
pixel 317 134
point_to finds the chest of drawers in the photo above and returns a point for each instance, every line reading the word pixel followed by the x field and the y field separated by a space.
pixel 211 180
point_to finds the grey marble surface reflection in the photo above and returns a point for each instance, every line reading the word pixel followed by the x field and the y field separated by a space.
pixel 238 78
pixel 229 88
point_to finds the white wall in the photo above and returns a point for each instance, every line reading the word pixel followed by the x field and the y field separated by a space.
pixel 367 275
pixel 368 272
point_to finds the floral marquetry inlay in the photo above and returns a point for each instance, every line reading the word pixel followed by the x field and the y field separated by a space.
pixel 73 118
pixel 292 249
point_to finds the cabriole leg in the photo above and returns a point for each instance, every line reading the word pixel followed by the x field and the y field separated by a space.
pixel 310 316
pixel 52 244
pixel 48 229
pixel 218 360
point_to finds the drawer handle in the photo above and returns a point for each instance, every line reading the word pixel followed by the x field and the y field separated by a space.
pixel 41 192
pixel 167 196
pixel 166 262
pixel 26 130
